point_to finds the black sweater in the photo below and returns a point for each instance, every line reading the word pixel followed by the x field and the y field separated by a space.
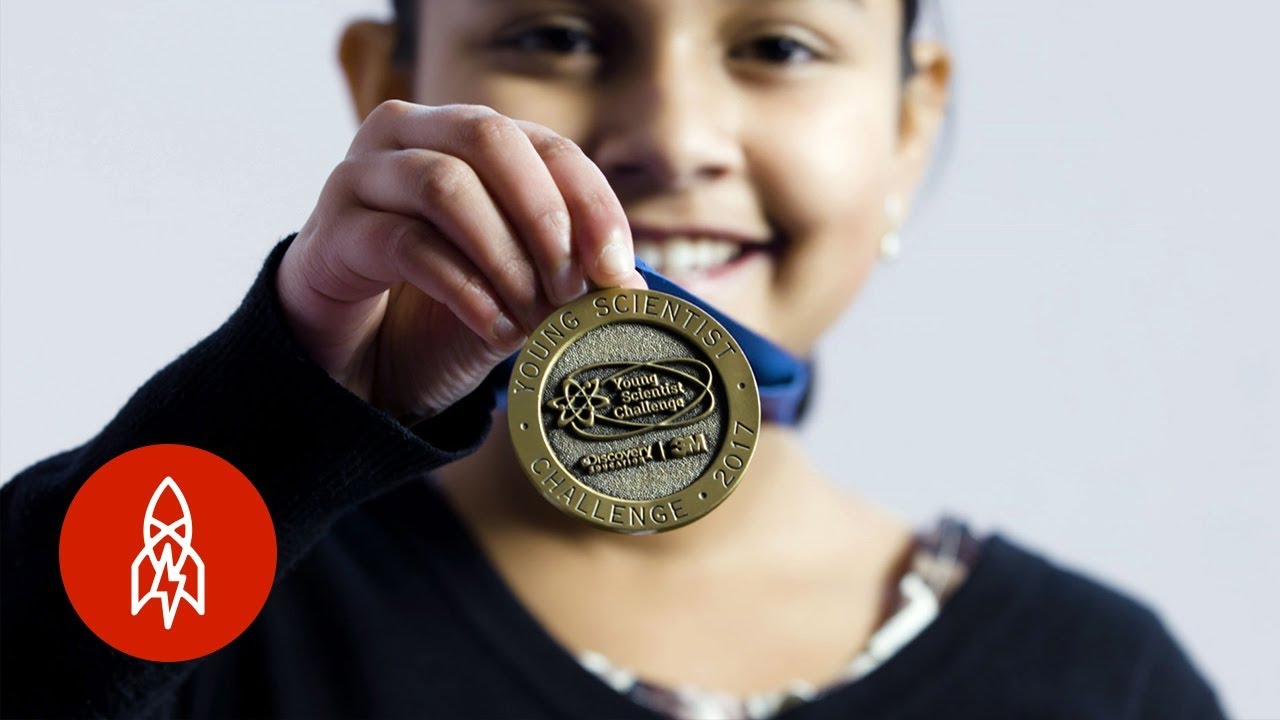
pixel 383 606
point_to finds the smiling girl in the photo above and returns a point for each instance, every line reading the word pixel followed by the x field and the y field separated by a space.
pixel 513 154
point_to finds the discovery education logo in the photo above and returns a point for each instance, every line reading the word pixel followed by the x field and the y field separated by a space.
pixel 167 553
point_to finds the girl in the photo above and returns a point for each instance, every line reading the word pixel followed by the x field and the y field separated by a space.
pixel 513 154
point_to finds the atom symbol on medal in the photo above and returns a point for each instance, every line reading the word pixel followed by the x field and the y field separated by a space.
pixel 579 403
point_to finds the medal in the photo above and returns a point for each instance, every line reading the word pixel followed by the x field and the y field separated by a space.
pixel 633 410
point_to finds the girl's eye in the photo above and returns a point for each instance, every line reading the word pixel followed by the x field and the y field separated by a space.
pixel 777 49
pixel 552 39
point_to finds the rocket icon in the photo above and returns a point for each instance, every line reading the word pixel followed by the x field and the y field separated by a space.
pixel 167 564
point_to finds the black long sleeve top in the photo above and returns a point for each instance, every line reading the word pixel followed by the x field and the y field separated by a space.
pixel 384 606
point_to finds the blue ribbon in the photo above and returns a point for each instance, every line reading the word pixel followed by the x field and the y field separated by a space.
pixel 783 378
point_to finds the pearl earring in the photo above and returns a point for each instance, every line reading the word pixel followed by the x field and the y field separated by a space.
pixel 891 242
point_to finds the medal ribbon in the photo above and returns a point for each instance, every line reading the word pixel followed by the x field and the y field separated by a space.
pixel 784 379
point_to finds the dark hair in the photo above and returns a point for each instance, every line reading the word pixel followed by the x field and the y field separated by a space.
pixel 406 18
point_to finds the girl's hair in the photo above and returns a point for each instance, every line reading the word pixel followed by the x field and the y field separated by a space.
pixel 406 18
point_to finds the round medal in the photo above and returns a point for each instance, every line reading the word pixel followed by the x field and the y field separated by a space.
pixel 633 410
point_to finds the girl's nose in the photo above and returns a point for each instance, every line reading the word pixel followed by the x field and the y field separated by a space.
pixel 668 127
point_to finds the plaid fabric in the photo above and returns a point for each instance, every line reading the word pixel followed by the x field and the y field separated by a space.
pixel 940 563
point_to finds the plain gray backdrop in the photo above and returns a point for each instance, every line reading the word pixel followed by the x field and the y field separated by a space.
pixel 1078 346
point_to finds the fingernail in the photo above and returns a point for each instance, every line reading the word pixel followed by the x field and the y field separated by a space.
pixel 505 330
pixel 569 282
pixel 614 259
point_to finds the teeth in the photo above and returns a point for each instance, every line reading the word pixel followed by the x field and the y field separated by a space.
pixel 650 253
pixel 723 252
pixel 681 256
pixel 706 254
pixel 685 255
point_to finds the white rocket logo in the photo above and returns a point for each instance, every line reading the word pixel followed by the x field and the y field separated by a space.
pixel 169 582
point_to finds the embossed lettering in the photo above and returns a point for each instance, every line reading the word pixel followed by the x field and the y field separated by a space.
pixel 555 480
pixel 623 402
pixel 567 494
pixel 642 516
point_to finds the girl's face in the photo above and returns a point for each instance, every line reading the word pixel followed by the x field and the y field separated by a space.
pixel 753 143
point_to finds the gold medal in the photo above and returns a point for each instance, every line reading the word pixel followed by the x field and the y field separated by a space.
pixel 633 410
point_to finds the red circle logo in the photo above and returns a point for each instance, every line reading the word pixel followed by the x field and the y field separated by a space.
pixel 167 552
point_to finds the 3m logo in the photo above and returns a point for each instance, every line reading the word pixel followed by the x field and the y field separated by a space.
pixel 167 552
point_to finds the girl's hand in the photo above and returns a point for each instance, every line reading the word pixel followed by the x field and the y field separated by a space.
pixel 445 236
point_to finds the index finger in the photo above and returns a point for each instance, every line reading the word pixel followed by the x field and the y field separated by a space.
pixel 601 232
pixel 504 161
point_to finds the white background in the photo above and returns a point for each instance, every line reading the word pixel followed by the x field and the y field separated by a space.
pixel 1079 346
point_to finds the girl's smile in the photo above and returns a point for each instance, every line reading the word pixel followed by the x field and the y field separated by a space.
pixel 752 144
